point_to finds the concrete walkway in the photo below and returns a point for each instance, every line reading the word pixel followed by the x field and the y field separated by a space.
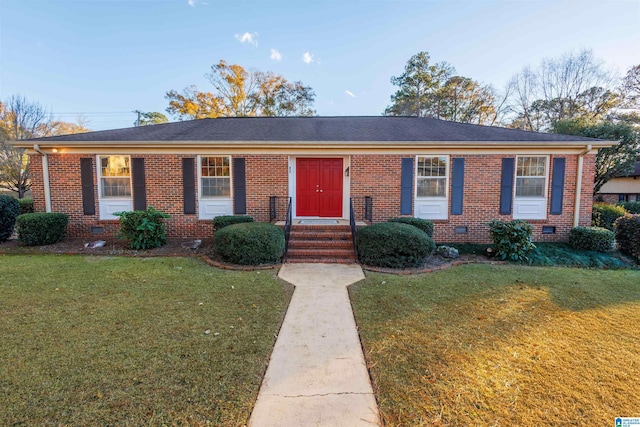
pixel 317 374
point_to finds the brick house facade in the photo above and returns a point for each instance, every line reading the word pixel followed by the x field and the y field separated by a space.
pixel 459 176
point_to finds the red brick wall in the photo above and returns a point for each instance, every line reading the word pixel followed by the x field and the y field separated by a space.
pixel 377 176
pixel 267 175
pixel 163 179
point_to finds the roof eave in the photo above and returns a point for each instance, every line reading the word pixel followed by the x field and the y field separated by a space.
pixel 78 146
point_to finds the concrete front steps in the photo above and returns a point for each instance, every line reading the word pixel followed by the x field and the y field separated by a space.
pixel 330 244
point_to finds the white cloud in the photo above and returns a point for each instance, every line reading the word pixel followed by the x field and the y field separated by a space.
pixel 276 55
pixel 307 58
pixel 351 94
pixel 251 38
pixel 194 3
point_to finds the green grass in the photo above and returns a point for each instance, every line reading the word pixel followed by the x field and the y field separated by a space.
pixel 122 341
pixel 502 345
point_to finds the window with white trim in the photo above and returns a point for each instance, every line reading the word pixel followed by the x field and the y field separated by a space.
pixel 114 185
pixel 215 176
pixel 531 177
pixel 432 181
pixel 532 174
pixel 431 177
pixel 215 190
pixel 115 176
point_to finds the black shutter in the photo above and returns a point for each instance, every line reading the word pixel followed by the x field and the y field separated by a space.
pixel 239 186
pixel 457 186
pixel 139 187
pixel 506 186
pixel 406 186
pixel 188 186
pixel 557 185
pixel 86 177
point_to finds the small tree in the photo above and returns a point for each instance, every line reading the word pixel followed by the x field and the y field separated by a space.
pixel 611 161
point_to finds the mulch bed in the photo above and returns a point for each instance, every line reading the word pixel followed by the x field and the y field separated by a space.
pixel 435 263
pixel 175 248
pixel 113 246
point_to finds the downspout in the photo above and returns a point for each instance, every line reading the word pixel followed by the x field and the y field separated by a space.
pixel 45 177
pixel 576 206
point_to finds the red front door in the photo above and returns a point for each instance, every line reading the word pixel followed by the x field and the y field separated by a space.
pixel 319 187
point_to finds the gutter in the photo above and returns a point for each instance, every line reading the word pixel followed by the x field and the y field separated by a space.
pixel 576 206
pixel 45 176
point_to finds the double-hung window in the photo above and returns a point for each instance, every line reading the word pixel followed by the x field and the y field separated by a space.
pixel 215 186
pixel 114 183
pixel 432 183
pixel 530 200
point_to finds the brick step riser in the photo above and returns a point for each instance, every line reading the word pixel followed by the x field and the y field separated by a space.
pixel 331 244
pixel 319 236
pixel 320 253
pixel 320 244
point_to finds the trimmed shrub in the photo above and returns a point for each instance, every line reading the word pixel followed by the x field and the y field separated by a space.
pixel 591 238
pixel 604 215
pixel 26 205
pixel 631 207
pixel 224 220
pixel 144 229
pixel 9 211
pixel 511 240
pixel 628 235
pixel 250 243
pixel 42 228
pixel 393 245
pixel 423 224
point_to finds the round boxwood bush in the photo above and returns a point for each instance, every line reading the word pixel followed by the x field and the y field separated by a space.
pixel 628 235
pixel 591 238
pixel 26 205
pixel 225 220
pixel 393 245
pixel 250 243
pixel 604 215
pixel 42 228
pixel 9 211
pixel 423 224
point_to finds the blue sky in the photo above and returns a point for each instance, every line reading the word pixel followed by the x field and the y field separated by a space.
pixel 108 58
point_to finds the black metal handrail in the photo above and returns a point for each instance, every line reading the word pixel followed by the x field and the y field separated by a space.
pixel 287 231
pixel 273 208
pixel 368 209
pixel 352 223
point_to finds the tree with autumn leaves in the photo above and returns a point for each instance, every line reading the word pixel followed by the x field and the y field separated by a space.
pixel 24 119
pixel 242 93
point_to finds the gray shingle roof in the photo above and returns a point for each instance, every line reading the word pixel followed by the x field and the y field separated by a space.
pixel 316 129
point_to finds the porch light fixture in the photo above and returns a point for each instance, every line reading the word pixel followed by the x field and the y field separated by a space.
pixel 346 171
pixel 55 150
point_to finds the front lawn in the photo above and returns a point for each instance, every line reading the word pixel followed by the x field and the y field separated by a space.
pixel 133 341
pixel 502 345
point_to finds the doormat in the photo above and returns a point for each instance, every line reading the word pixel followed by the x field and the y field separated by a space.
pixel 318 221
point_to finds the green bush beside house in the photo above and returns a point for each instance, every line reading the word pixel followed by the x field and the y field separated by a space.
pixel 250 243
pixel 9 211
pixel 42 228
